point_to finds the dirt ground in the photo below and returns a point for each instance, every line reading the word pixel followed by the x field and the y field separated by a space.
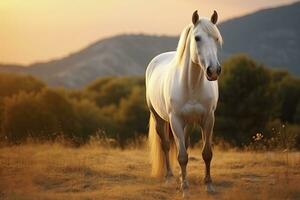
pixel 91 172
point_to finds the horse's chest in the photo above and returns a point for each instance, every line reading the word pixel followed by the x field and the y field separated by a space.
pixel 192 111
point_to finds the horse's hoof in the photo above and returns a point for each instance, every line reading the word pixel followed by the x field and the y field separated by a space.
pixel 184 185
pixel 210 188
pixel 169 179
pixel 185 193
pixel 185 189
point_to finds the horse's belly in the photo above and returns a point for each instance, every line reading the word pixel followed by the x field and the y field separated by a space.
pixel 161 111
pixel 158 103
pixel 155 77
pixel 155 94
pixel 193 112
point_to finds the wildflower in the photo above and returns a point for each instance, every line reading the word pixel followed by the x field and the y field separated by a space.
pixel 258 136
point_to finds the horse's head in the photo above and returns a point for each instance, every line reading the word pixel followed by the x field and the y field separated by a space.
pixel 205 39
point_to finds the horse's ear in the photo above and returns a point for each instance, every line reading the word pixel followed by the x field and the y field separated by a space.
pixel 195 17
pixel 214 17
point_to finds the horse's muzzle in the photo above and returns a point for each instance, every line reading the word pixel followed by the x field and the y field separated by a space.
pixel 212 73
pixel 212 78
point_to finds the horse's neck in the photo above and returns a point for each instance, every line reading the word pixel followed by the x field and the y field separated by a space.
pixel 191 75
pixel 196 77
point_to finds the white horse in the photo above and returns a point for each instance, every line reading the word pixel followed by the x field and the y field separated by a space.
pixel 182 88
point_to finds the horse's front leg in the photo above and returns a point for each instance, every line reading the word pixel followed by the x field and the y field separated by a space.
pixel 207 149
pixel 177 127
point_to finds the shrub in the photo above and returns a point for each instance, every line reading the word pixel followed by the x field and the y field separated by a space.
pixel 90 120
pixel 24 116
pixel 11 84
pixel 111 90
pixel 132 116
pixel 278 136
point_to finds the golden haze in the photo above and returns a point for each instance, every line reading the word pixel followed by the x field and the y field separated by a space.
pixel 35 30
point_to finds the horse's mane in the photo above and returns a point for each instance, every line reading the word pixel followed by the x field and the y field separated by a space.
pixel 182 42
pixel 207 26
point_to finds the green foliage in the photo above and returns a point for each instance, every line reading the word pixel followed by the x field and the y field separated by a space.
pixel 21 114
pixel 297 114
pixel 44 115
pixel 132 115
pixel 289 97
pixel 11 84
pixel 116 87
pixel 246 99
pixel 90 120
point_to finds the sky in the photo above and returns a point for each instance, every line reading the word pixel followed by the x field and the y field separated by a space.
pixel 41 30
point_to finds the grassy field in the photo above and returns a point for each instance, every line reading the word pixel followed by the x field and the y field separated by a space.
pixel 91 172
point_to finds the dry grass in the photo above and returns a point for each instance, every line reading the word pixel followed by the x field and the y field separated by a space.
pixel 57 172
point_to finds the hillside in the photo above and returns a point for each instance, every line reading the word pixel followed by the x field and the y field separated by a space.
pixel 270 36
pixel 119 55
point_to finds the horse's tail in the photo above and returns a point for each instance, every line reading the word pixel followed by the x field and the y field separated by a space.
pixel 157 156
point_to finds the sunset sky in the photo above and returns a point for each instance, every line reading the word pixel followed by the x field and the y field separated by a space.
pixel 39 30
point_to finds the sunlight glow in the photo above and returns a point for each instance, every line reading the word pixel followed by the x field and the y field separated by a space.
pixel 35 30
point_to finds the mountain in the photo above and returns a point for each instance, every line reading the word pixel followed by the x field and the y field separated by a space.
pixel 270 36
pixel 119 55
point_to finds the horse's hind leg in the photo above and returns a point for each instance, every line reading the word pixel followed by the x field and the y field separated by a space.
pixel 162 128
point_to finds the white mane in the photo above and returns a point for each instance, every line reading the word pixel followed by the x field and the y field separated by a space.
pixel 182 42
pixel 207 26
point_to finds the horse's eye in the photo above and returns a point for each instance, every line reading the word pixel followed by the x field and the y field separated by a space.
pixel 197 38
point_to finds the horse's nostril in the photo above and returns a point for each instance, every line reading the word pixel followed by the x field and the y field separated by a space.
pixel 219 70
pixel 209 71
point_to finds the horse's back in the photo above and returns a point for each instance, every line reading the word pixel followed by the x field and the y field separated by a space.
pixel 155 75
pixel 159 63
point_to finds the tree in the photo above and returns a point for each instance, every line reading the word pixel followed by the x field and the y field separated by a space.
pixel 288 97
pixel 11 84
pixel 297 114
pixel 109 91
pixel 133 115
pixel 24 116
pixel 44 115
pixel 245 102
pixel 91 120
